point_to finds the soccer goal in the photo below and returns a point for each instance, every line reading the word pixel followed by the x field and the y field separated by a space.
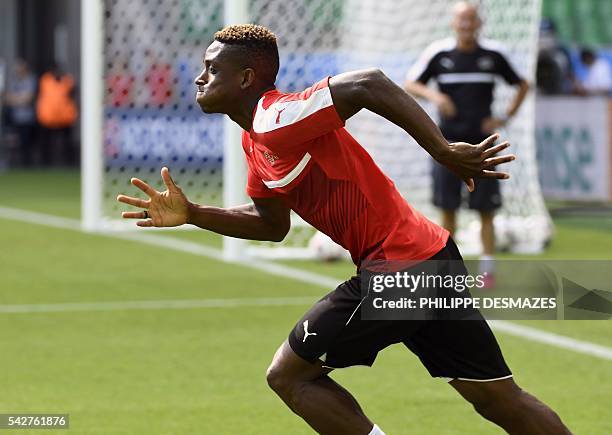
pixel 140 58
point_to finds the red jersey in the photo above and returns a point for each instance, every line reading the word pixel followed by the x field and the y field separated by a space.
pixel 299 150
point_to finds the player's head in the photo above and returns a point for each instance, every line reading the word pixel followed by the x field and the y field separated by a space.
pixel 21 67
pixel 466 21
pixel 243 59
pixel 587 56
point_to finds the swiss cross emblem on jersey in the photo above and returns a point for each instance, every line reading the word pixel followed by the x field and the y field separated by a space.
pixel 271 158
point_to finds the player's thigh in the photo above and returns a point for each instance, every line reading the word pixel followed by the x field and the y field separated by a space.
pixel 460 349
pixel 299 357
pixel 286 366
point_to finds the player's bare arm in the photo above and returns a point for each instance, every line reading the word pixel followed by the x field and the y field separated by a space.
pixel 373 90
pixel 492 124
pixel 264 219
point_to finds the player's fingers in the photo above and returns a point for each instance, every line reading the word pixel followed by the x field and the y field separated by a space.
pixel 144 187
pixel 470 184
pixel 133 215
pixel 144 224
pixel 494 161
pixel 136 202
pixel 494 174
pixel 488 142
pixel 168 181
pixel 496 149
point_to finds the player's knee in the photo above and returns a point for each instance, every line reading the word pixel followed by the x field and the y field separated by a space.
pixel 278 380
pixel 290 390
pixel 497 399
pixel 274 378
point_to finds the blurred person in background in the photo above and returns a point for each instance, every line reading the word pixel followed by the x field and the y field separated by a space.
pixel 2 74
pixel 57 114
pixel 2 79
pixel 3 159
pixel 20 95
pixel 465 68
pixel 598 78
pixel 159 79
pixel 555 73
pixel 120 84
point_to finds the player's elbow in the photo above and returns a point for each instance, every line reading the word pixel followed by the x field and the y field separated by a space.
pixel 370 85
pixel 279 232
pixel 278 236
pixel 371 79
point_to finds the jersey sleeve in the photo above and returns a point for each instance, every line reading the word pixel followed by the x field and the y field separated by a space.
pixel 292 121
pixel 506 70
pixel 422 70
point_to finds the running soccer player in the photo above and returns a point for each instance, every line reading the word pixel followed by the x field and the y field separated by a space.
pixel 301 158
pixel 465 68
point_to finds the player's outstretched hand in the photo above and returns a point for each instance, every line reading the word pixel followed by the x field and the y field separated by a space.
pixel 163 209
pixel 469 161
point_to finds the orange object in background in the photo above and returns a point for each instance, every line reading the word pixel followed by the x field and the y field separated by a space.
pixel 55 107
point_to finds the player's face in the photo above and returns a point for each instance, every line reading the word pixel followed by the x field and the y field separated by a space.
pixel 466 23
pixel 218 85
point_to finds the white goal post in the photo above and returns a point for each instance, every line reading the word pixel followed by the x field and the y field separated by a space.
pixel 139 58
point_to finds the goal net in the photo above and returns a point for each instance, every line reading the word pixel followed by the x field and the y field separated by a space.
pixel 152 51
pixel 391 35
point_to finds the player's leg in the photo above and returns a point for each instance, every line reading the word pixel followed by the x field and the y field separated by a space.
pixel 449 220
pixel 487 233
pixel 330 335
pixel 446 195
pixel 308 390
pixel 486 198
pixel 467 352
pixel 504 403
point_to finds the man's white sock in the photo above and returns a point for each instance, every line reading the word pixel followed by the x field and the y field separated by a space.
pixel 376 431
pixel 487 264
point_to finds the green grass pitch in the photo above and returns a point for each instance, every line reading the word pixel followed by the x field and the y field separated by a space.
pixel 202 370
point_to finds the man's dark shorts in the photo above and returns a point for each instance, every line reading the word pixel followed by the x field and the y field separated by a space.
pixel 448 188
pixel 333 331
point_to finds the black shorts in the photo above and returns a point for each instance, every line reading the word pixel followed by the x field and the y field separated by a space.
pixel 333 331
pixel 448 189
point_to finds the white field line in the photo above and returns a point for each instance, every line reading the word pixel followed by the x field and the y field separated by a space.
pixel 525 332
pixel 537 335
pixel 150 238
pixel 177 304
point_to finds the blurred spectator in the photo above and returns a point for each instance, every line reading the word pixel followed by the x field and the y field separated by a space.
pixel 2 76
pixel 555 74
pixel 57 114
pixel 2 96
pixel 3 158
pixel 159 79
pixel 20 115
pixel 120 84
pixel 598 78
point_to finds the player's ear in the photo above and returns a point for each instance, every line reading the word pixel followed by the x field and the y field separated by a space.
pixel 248 78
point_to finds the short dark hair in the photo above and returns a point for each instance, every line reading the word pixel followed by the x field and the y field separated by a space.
pixel 587 54
pixel 260 46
